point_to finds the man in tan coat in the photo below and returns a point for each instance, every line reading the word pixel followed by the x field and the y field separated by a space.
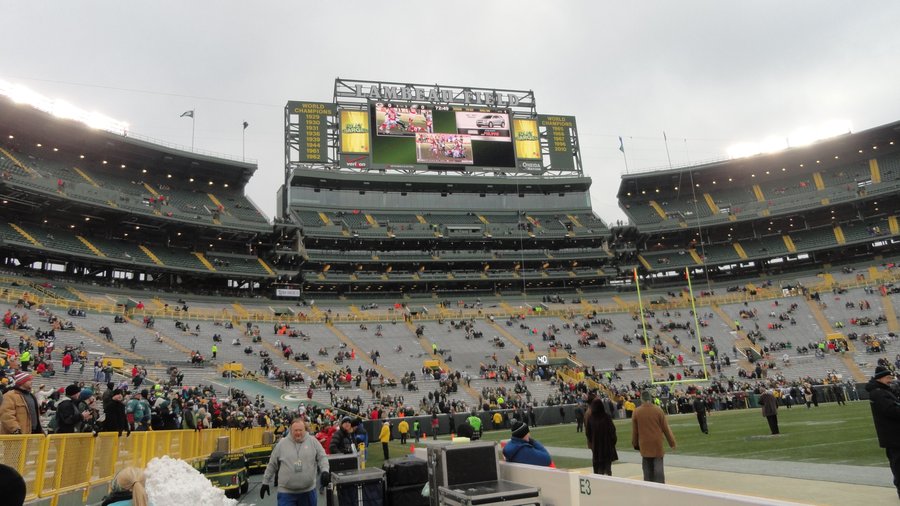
pixel 648 427
pixel 19 411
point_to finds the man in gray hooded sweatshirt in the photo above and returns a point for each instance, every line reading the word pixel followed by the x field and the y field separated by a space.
pixel 298 459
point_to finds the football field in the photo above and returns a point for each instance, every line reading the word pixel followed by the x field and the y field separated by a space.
pixel 829 434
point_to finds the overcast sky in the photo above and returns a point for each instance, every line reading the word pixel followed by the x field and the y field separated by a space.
pixel 708 73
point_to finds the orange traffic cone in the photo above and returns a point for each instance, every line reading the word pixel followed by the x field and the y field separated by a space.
pixel 424 436
pixel 412 449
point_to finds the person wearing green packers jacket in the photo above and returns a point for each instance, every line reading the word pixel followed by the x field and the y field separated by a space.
pixel 475 422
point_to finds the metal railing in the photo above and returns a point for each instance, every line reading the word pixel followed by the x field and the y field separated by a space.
pixel 62 463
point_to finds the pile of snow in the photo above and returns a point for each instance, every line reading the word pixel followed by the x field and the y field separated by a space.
pixel 174 482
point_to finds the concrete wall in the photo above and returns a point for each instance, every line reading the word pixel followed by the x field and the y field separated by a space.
pixel 561 487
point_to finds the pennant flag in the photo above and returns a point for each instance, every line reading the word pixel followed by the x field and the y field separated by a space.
pixel 246 125
pixel 189 114
pixel 621 144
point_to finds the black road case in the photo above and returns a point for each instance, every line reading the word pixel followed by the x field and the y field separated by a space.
pixel 405 471
pixel 496 493
pixel 409 495
pixel 363 487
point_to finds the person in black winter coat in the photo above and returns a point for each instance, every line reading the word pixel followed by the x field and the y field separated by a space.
pixel 114 409
pixel 342 440
pixel 886 415
pixel 601 438
pixel 699 406
pixel 68 419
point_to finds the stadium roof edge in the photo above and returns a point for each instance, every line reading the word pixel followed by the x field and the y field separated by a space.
pixel 28 123
pixel 874 134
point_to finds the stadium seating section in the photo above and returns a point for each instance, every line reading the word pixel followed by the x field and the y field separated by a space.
pixel 102 185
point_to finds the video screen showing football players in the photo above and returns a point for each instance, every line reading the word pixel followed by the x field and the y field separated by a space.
pixel 396 121
pixel 444 149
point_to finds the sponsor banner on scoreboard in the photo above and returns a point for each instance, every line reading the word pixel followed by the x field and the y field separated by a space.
pixel 484 126
pixel 528 142
pixel 355 132
pixel 287 292
pixel 354 161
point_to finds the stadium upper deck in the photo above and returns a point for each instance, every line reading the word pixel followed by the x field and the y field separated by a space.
pixel 831 201
pixel 88 201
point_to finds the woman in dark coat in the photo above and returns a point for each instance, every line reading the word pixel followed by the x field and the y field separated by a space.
pixel 601 438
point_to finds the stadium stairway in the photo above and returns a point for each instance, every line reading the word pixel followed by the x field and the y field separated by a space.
pixel 622 304
pixel 241 311
pixel 423 342
pixel 275 354
pixel 510 310
pixel 344 338
pixel 110 344
pixel 587 307
pixel 509 337
pixel 166 339
pixel 80 296
pixel 890 314
pixel 742 340
pixel 825 325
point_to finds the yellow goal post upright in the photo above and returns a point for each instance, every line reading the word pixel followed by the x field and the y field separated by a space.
pixel 653 381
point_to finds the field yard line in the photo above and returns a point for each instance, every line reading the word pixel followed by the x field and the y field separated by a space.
pixel 795 448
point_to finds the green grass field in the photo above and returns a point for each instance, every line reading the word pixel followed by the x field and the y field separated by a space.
pixel 829 434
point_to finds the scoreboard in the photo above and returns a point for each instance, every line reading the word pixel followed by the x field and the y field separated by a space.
pixel 386 127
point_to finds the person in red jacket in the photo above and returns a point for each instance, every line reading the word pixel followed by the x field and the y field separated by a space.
pixel 67 362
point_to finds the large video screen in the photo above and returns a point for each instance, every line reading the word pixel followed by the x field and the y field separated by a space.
pixel 444 148
pixel 440 136
pixel 402 121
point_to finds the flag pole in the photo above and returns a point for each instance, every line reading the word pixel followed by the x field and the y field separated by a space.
pixel 193 124
pixel 243 142
pixel 666 141
pixel 622 149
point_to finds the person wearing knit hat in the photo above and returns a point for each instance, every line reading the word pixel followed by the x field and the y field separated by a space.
pixel 648 428
pixel 21 378
pixel 523 449
pixel 342 440
pixel 886 416
pixel 68 419
pixel 19 412
pixel 520 429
